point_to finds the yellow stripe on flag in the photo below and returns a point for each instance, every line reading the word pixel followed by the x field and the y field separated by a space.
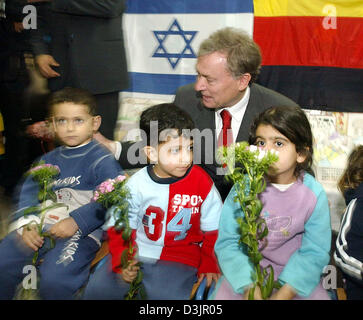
pixel 315 8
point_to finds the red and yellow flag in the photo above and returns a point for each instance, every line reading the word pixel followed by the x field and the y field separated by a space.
pixel 312 51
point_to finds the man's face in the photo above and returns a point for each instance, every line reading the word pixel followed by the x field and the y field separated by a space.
pixel 216 84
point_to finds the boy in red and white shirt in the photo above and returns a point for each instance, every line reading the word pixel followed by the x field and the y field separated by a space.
pixel 174 211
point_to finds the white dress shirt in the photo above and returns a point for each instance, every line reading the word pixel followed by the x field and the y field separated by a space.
pixel 237 112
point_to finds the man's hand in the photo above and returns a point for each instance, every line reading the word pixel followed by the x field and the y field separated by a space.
pixel 31 237
pixel 64 229
pixel 40 130
pixel 210 278
pixel 45 63
pixel 109 144
pixel 129 274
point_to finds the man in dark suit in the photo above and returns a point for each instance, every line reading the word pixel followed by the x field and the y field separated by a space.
pixel 228 63
pixel 14 80
pixel 81 44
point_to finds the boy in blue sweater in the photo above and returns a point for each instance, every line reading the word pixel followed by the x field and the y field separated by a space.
pixel 83 165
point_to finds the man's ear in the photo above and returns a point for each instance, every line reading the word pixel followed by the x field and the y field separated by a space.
pixel 96 123
pixel 151 154
pixel 244 80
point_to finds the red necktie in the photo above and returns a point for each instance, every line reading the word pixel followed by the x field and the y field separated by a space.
pixel 225 137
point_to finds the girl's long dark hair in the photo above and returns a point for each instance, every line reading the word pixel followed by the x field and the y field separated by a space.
pixel 294 125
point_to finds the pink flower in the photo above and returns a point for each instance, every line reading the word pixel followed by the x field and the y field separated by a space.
pixel 96 196
pixel 43 166
pixel 120 178
pixel 106 186
pixel 109 187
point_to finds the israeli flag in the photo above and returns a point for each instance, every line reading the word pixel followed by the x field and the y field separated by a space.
pixel 162 39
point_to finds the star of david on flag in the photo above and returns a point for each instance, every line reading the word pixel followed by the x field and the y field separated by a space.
pixel 163 51
pixel 162 39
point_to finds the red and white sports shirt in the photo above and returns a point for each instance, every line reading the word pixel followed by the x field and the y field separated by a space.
pixel 175 219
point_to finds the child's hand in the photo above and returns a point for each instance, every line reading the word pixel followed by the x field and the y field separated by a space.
pixel 286 292
pixel 31 237
pixel 129 274
pixel 64 229
pixel 257 295
pixel 210 277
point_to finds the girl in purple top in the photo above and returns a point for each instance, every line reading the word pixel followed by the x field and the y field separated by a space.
pixel 296 211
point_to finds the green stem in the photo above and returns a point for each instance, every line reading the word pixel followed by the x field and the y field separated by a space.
pixel 43 206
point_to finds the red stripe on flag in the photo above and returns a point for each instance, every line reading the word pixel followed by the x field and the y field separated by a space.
pixel 310 41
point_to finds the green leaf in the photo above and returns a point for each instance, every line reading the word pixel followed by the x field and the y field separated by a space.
pixel 53 206
pixel 258 206
pixel 264 292
pixel 277 285
pixel 251 293
pixel 35 257
pixel 119 225
pixel 142 293
pixel 42 195
pixel 51 195
pixel 126 234
pixel 124 259
pixel 31 210
pixel 139 277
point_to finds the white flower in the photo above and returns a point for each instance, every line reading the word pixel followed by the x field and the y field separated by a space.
pixel 261 155
pixel 253 148
pixel 273 151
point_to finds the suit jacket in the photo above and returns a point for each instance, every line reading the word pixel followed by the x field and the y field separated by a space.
pixel 86 39
pixel 188 99
pixel 260 99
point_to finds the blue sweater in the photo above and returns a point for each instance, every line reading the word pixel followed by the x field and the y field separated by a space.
pixel 82 169
pixel 349 244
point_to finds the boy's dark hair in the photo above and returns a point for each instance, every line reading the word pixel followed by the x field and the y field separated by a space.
pixel 168 116
pixel 294 125
pixel 73 95
pixel 352 176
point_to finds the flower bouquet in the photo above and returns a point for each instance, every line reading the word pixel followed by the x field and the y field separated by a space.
pixel 44 175
pixel 112 195
pixel 249 181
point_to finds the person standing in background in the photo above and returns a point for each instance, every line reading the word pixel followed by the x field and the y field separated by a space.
pixel 14 79
pixel 80 44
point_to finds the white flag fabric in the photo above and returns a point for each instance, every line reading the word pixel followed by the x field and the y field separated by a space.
pixel 163 36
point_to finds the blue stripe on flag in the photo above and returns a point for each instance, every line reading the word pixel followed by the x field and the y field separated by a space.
pixel 158 83
pixel 189 6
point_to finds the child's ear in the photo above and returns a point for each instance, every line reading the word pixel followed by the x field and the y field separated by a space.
pixel 151 154
pixel 53 124
pixel 301 156
pixel 96 122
